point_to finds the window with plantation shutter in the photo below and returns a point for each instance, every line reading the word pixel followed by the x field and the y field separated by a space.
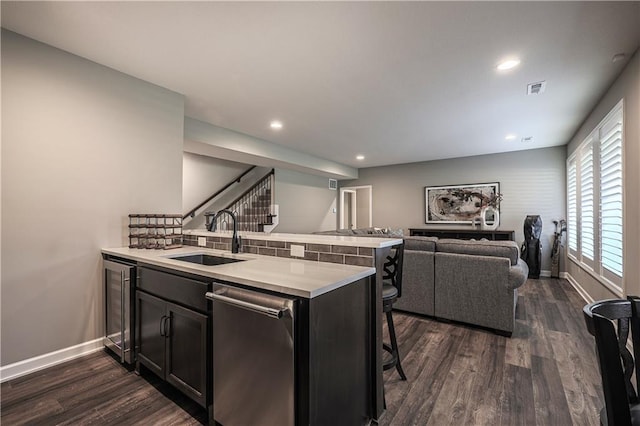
pixel 595 201
pixel 572 206
pixel 587 228
pixel 611 195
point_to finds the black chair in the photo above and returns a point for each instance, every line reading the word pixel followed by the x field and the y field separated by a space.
pixel 391 291
pixel 622 406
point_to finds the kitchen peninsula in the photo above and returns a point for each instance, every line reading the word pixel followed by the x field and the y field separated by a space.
pixel 337 334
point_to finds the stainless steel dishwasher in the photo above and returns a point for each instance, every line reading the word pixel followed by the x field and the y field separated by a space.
pixel 253 357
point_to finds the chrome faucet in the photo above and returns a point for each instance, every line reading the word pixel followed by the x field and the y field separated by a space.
pixel 235 240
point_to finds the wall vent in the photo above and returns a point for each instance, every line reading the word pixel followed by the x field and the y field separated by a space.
pixel 536 88
pixel 333 184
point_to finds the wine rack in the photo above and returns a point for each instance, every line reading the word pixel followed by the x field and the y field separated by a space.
pixel 155 231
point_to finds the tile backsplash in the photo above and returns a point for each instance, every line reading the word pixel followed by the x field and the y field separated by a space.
pixel 347 255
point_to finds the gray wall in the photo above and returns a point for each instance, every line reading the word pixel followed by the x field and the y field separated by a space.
pixel 532 182
pixel 627 87
pixel 363 195
pixel 82 146
pixel 306 202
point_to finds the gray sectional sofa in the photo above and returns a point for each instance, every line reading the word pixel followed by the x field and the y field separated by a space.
pixel 474 282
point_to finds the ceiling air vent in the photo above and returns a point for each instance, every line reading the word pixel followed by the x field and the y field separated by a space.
pixel 536 88
pixel 333 184
pixel 527 139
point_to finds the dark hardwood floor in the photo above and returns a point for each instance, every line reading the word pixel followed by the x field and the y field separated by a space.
pixel 95 390
pixel 546 374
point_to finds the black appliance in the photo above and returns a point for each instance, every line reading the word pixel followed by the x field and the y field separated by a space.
pixel 531 250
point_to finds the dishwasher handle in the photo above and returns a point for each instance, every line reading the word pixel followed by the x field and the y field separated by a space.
pixel 264 310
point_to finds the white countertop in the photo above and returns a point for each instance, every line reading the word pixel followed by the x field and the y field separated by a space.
pixel 336 240
pixel 295 277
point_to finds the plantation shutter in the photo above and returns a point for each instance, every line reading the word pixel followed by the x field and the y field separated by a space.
pixel 611 252
pixel 572 206
pixel 595 202
pixel 587 228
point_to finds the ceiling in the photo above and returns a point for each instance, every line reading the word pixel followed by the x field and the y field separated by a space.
pixel 397 82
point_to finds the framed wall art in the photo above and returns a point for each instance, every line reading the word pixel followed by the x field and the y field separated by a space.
pixel 459 204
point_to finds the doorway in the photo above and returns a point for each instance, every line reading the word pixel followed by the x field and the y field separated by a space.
pixel 356 207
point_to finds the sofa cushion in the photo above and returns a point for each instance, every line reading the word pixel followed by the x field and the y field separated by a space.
pixel 508 249
pixel 394 232
pixel 474 289
pixel 417 282
pixel 366 232
pixel 335 232
pixel 361 231
pixel 420 243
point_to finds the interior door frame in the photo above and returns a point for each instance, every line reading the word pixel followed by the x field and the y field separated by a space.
pixel 353 189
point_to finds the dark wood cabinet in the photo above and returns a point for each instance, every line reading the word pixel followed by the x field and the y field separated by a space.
pixel 173 339
pixel 151 343
pixel 186 351
pixel 333 344
pixel 464 234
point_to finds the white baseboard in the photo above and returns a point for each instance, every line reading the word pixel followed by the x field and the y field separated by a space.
pixel 31 365
pixel 581 291
pixel 547 274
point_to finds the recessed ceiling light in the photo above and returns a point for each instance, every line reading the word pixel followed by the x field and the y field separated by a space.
pixel 360 157
pixel 277 125
pixel 618 57
pixel 510 137
pixel 508 64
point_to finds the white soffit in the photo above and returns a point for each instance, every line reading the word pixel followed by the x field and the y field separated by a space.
pixel 206 139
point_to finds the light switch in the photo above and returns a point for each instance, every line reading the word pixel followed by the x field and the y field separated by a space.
pixel 202 241
pixel 297 251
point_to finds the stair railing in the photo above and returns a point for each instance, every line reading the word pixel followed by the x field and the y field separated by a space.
pixel 253 209
pixel 191 213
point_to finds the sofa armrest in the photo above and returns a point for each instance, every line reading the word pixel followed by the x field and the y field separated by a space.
pixel 518 274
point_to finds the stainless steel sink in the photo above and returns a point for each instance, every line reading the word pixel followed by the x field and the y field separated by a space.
pixel 206 259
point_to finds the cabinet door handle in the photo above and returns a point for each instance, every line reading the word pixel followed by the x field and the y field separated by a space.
pixel 162 326
pixel 167 326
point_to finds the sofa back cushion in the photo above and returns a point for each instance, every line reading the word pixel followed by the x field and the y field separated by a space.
pixel 420 243
pixel 508 249
pixel 335 232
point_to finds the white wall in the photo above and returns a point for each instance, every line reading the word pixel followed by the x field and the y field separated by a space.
pixel 82 146
pixel 203 176
pixel 627 87
pixel 306 202
pixel 532 182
